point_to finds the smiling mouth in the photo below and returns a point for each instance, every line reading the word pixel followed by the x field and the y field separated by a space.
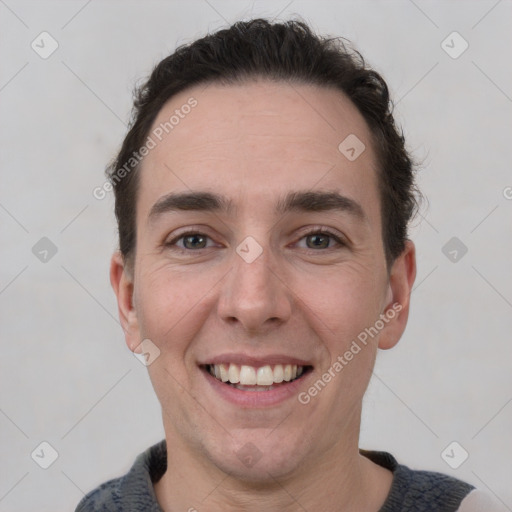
pixel 250 378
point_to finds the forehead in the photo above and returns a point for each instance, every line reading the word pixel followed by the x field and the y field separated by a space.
pixel 258 138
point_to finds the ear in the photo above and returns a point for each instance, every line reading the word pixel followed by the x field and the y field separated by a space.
pixel 401 280
pixel 121 279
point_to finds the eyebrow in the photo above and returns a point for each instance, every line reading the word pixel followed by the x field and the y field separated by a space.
pixel 295 201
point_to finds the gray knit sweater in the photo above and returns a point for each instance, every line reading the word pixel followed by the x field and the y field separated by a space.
pixel 411 491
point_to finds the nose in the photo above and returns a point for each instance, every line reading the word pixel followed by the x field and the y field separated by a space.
pixel 255 295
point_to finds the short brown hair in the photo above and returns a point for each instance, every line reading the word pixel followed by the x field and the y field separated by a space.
pixel 288 52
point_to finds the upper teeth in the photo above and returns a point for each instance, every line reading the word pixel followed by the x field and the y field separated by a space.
pixel 250 375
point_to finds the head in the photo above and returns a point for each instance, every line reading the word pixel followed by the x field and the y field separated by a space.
pixel 265 222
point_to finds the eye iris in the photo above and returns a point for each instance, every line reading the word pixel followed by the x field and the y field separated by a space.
pixel 193 239
pixel 324 238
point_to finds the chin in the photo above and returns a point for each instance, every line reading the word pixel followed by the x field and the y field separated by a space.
pixel 256 459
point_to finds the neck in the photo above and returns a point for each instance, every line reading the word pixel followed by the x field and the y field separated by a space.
pixel 339 476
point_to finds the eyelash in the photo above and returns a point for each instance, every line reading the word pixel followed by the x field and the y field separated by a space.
pixel 315 231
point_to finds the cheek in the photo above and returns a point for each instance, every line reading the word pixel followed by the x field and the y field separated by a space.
pixel 160 305
pixel 342 304
pixel 172 306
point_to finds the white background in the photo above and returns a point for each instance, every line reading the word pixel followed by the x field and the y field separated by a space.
pixel 67 377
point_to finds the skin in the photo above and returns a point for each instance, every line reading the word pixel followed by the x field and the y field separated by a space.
pixel 254 143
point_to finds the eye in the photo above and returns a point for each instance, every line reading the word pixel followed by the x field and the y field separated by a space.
pixel 315 239
pixel 191 240
pixel 322 239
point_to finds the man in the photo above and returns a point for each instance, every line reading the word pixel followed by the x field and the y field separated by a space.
pixel 263 194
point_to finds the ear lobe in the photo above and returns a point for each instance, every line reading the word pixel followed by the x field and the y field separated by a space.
pixel 401 280
pixel 122 283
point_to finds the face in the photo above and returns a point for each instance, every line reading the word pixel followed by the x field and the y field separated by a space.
pixel 260 257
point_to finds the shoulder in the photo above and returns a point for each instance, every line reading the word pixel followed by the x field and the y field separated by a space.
pixel 134 488
pixel 429 490
pixel 479 501
pixel 104 498
pixel 416 490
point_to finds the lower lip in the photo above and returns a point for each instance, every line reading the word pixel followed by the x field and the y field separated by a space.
pixel 254 398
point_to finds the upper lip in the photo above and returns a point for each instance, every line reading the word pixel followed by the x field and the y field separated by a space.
pixel 256 361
